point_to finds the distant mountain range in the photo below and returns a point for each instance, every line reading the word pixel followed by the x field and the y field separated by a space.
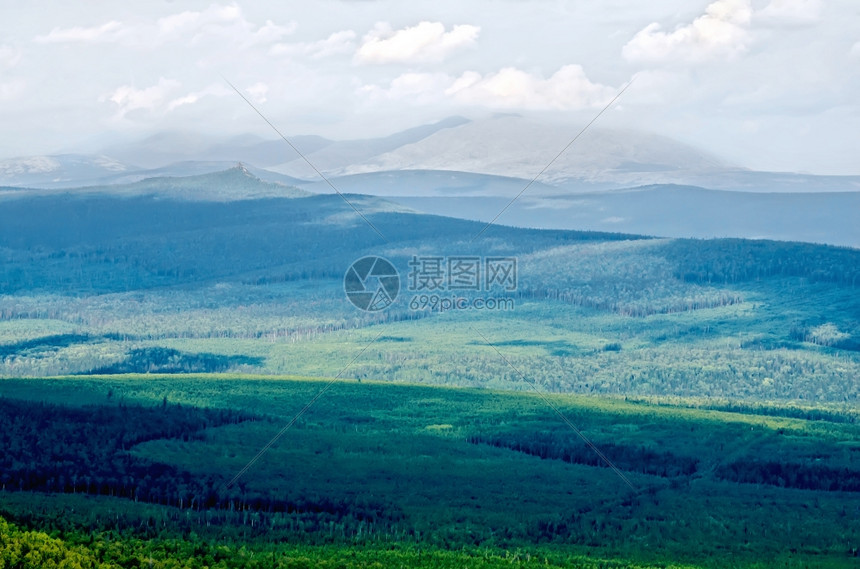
pixel 508 146
pixel 516 147
pixel 609 180
pixel 672 211
pixel 67 171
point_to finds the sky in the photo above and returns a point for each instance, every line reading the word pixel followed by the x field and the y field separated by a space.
pixel 764 84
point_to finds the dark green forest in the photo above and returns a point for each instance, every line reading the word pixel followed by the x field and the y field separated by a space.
pixel 403 468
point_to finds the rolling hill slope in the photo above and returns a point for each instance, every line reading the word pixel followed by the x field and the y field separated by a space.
pixel 214 272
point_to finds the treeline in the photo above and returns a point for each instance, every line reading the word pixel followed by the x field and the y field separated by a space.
pixel 826 334
pixel 792 475
pixel 55 448
pixel 52 448
pixel 738 260
pixel 23 549
pixel 98 243
pixel 753 408
pixel 166 360
pixel 49 343
pixel 636 308
pixel 561 446
pixel 807 414
pixel 629 279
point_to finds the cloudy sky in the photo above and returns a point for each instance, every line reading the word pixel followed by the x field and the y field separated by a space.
pixel 767 84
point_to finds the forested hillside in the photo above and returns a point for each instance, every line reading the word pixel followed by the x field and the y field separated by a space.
pixel 158 277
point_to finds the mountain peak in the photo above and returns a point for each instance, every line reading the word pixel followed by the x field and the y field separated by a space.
pixel 236 182
pixel 58 169
pixel 240 168
pixel 511 145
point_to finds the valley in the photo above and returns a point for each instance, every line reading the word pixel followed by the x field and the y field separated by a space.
pixel 640 401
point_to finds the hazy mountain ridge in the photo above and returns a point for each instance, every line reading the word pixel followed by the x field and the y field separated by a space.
pixel 236 183
pixel 58 170
pixel 508 146
pixel 231 184
pixel 196 168
pixel 518 147
pixel 670 211
pixel 608 180
pixel 514 146
pixel 169 147
pixel 663 210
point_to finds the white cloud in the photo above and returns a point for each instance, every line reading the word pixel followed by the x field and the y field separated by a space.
pixel 225 24
pixel 509 88
pixel 337 43
pixel 418 88
pixel 105 33
pixel 258 91
pixel 194 21
pixel 188 99
pixel 855 49
pixel 271 32
pixel 790 12
pixel 722 32
pixel 568 88
pixel 427 41
pixel 217 90
pixel 127 98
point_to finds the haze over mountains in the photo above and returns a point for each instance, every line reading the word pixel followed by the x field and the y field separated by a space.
pixel 609 180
